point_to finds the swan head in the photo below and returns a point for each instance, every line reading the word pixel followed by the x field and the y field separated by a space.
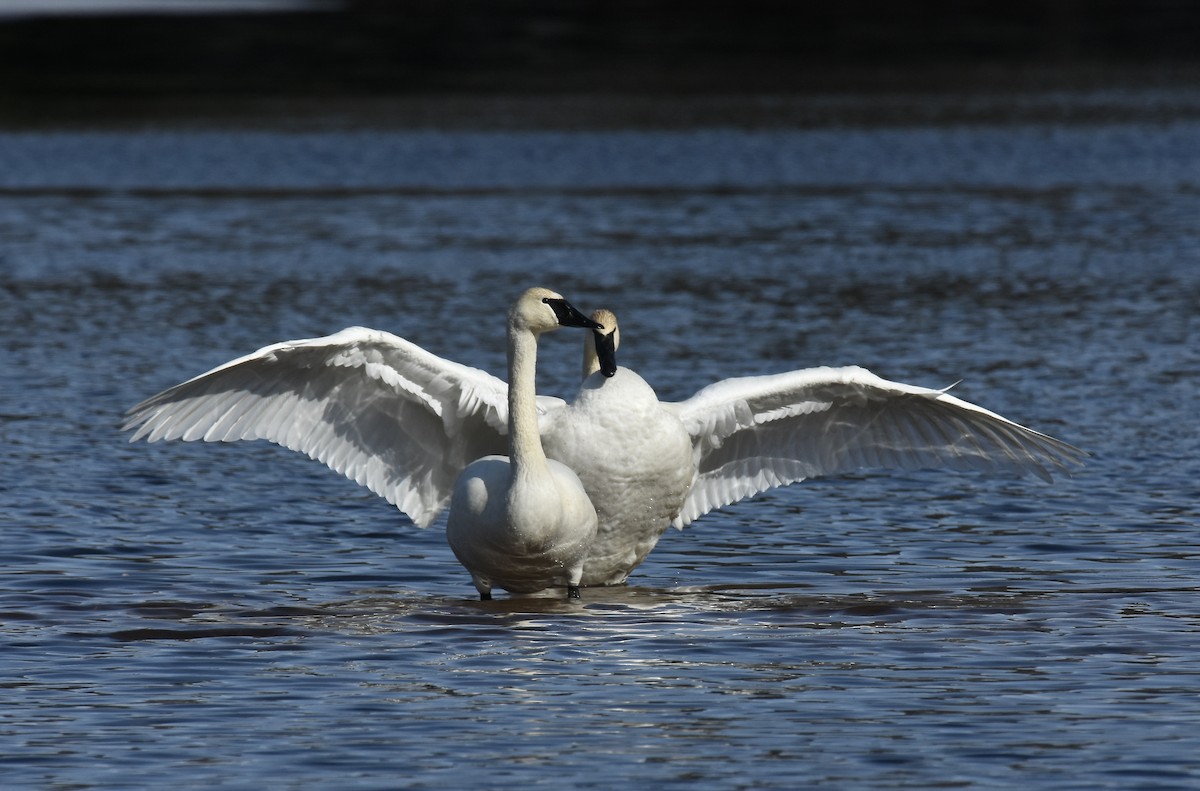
pixel 539 310
pixel 600 348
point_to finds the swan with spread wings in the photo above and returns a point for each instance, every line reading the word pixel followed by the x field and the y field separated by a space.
pixel 405 423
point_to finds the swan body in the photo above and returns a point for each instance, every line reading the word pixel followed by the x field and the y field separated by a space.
pixel 631 452
pixel 519 532
pixel 522 521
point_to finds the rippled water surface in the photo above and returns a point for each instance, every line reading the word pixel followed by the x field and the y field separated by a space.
pixel 236 616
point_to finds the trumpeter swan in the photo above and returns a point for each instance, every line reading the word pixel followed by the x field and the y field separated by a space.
pixel 632 453
pixel 392 417
pixel 406 423
pixel 647 465
pixel 522 521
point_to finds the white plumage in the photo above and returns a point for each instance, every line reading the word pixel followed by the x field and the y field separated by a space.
pixel 522 521
pixel 755 433
pixel 632 453
pixel 380 410
pixel 406 423
pixel 647 465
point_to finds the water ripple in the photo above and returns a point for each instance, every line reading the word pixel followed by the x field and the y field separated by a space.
pixel 235 616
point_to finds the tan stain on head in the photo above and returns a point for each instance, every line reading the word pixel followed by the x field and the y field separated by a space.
pixel 609 320
pixel 591 362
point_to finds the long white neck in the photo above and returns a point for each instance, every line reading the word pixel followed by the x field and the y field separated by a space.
pixel 591 361
pixel 524 441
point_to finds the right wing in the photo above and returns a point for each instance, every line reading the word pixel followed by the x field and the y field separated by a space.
pixel 754 433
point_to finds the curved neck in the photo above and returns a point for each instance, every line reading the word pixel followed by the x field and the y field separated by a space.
pixel 524 441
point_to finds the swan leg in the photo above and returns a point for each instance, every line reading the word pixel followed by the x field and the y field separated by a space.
pixel 574 577
pixel 484 586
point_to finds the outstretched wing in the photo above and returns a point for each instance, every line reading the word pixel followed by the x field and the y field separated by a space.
pixel 754 433
pixel 371 405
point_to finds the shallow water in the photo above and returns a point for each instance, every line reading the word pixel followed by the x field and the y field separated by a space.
pixel 238 617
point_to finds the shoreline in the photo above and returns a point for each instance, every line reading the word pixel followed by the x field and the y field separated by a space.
pixel 1144 100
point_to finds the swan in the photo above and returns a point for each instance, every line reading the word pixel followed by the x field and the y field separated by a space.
pixel 522 521
pixel 406 424
pixel 648 465
pixel 632 453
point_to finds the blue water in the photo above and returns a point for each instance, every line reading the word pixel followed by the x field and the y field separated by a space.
pixel 236 616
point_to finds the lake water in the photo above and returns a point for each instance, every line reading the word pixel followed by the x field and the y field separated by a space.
pixel 237 616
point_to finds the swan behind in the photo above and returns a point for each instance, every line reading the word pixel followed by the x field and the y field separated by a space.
pixel 648 465
pixel 632 454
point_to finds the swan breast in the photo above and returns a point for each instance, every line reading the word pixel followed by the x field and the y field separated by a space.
pixel 636 462
pixel 520 534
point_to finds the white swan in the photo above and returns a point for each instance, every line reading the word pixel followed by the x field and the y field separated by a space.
pixel 405 423
pixel 390 416
pixel 522 521
pixel 647 465
pixel 632 453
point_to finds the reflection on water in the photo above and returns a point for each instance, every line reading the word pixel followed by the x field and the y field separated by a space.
pixel 239 617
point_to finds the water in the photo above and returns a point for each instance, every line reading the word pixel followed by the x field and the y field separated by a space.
pixel 237 616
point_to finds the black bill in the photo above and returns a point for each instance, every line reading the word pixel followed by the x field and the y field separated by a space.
pixel 606 351
pixel 569 316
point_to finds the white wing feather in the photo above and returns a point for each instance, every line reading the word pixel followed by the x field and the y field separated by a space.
pixel 754 433
pixel 380 410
